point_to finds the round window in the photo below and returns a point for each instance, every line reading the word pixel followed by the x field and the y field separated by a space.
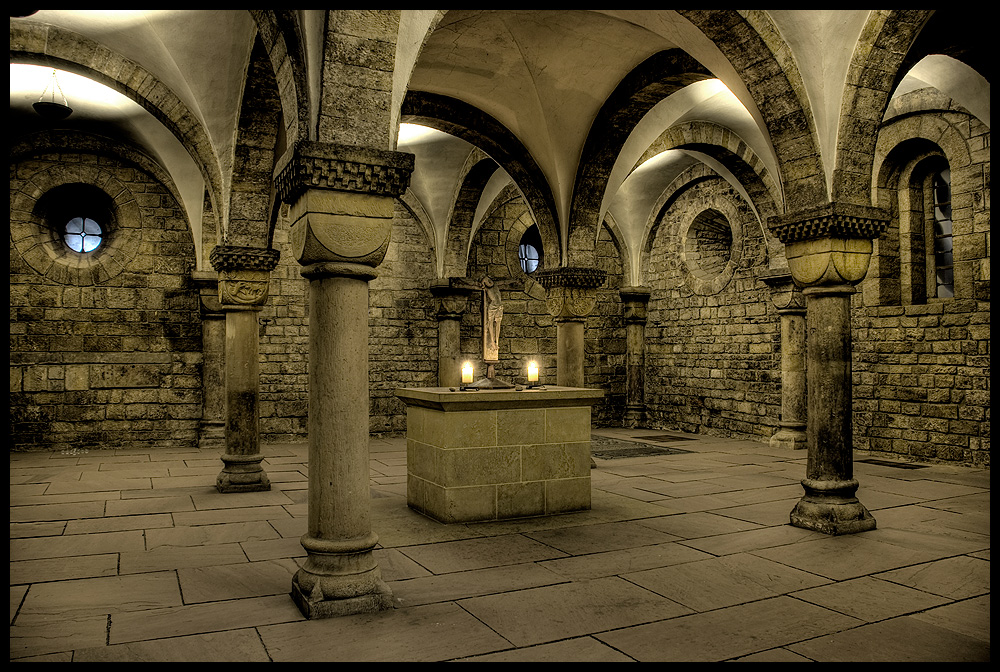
pixel 83 234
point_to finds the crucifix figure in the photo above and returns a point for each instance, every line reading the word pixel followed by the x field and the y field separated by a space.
pixel 492 316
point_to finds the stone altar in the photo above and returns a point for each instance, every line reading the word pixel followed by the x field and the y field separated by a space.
pixel 489 454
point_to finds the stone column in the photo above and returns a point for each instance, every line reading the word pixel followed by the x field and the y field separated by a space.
pixel 212 427
pixel 828 251
pixel 451 304
pixel 244 274
pixel 635 300
pixel 791 307
pixel 341 211
pixel 571 298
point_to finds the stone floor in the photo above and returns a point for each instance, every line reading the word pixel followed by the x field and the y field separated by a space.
pixel 133 555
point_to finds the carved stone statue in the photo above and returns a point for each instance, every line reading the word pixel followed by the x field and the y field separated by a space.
pixel 492 315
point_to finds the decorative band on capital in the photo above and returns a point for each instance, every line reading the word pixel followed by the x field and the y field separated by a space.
pixel 235 258
pixel 834 220
pixel 571 277
pixel 321 165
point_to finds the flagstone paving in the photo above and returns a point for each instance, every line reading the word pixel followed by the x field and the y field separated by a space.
pixel 125 556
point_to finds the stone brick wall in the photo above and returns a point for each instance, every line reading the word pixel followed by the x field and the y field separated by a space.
pixel 402 341
pixel 284 349
pixel 712 355
pixel 922 380
pixel 104 353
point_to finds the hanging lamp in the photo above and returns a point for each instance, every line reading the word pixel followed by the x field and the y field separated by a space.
pixel 50 110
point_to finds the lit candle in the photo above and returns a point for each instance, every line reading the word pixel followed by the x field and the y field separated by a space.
pixel 467 373
pixel 532 372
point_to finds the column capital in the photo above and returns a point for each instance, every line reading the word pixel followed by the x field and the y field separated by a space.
pixel 244 274
pixel 341 201
pixel 785 294
pixel 571 291
pixel 831 244
pixel 451 296
pixel 635 300
pixel 833 220
pixel 323 165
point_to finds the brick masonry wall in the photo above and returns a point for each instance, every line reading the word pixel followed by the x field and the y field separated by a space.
pixel 712 359
pixel 111 364
pixel 284 349
pixel 922 380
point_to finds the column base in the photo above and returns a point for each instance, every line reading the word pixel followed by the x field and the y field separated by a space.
pixel 242 473
pixel 830 507
pixel 789 437
pixel 338 581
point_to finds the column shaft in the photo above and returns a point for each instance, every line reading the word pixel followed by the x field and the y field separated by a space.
pixel 791 433
pixel 569 353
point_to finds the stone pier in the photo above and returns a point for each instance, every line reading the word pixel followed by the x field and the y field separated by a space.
pixel 244 275
pixel 341 212
pixel 828 251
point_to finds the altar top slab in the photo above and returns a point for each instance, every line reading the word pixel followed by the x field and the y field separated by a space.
pixel 454 399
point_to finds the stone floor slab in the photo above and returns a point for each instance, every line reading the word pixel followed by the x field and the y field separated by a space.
pixel 601 537
pixel 899 640
pixel 957 578
pixel 577 650
pixel 467 554
pixel 551 613
pixel 235 646
pixel 846 557
pixel 870 599
pixel 137 626
pixel 461 585
pixel 727 634
pixel 704 585
pixel 232 582
pixel 435 632
pixel 617 563
pixel 61 569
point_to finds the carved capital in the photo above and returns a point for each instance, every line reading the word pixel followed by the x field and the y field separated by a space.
pixel 452 299
pixel 834 220
pixel 320 165
pixel 784 293
pixel 244 273
pixel 571 276
pixel 635 300
pixel 571 290
pixel 341 201
pixel 831 245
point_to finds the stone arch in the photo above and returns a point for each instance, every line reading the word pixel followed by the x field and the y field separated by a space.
pixel 901 157
pixel 459 234
pixel 281 35
pixel 694 175
pixel 753 45
pixel 723 145
pixel 875 70
pixel 251 198
pixel 639 91
pixel 32 42
pixel 614 231
pixel 483 131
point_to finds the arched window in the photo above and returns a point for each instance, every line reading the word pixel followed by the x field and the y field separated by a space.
pixel 943 276
pixel 529 251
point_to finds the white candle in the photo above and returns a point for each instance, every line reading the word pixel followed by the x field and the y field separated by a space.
pixel 466 373
pixel 532 372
